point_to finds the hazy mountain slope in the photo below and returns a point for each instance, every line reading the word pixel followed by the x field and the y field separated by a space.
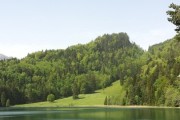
pixel 3 57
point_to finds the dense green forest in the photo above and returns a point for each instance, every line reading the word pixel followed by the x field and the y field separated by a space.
pixel 78 69
pixel 149 77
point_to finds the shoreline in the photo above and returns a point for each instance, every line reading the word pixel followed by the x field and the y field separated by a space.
pixel 97 106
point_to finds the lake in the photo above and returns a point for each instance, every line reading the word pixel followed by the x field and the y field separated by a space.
pixel 89 114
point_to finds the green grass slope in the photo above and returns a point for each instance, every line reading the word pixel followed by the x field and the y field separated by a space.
pixel 94 99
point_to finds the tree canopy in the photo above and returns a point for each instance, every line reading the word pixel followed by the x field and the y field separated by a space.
pixel 174 16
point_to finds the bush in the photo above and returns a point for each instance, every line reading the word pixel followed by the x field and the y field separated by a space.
pixel 50 98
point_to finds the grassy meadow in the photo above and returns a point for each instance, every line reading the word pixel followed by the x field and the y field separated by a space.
pixel 94 99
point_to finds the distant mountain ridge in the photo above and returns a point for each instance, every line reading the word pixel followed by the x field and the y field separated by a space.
pixel 3 57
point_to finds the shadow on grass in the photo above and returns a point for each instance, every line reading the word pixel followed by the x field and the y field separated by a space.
pixel 82 97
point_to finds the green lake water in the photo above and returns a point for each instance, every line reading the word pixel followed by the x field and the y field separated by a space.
pixel 89 114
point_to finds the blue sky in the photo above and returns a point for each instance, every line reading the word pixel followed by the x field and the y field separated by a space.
pixel 27 26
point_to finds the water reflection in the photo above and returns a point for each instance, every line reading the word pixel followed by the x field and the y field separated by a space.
pixel 90 114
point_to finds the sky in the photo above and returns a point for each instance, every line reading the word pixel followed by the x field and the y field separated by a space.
pixel 27 26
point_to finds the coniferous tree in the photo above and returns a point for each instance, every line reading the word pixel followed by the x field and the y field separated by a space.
pixel 106 101
pixel 8 103
pixel 3 99
pixel 75 91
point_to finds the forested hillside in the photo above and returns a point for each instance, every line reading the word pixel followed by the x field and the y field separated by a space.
pixel 158 82
pixel 77 69
pixel 165 57
pixel 149 78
